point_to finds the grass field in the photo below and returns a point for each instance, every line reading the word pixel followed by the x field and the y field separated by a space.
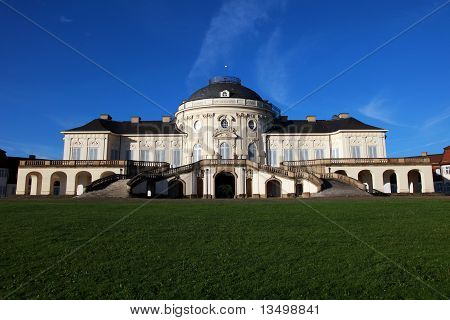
pixel 235 249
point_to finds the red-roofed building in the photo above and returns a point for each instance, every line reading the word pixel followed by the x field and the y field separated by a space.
pixel 441 170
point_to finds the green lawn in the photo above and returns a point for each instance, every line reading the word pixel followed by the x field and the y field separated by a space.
pixel 231 249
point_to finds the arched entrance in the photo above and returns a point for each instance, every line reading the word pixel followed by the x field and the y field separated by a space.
pixel 273 189
pixel 199 187
pixel 298 189
pixel 414 181
pixel 33 184
pixel 58 183
pixel 365 177
pixel 176 188
pixel 225 185
pixel 341 172
pixel 389 181
pixel 106 174
pixel 82 179
pixel 248 188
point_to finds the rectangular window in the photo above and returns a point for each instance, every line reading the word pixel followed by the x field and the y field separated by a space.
pixel 114 154
pixel 372 150
pixel 273 158
pixel 319 153
pixel 335 153
pixel 356 152
pixel 92 153
pixel 303 154
pixel 288 155
pixel 144 155
pixel 176 160
pixel 447 170
pixel 160 155
pixel 75 153
pixel 129 155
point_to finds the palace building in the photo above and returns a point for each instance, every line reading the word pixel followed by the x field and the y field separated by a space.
pixel 225 141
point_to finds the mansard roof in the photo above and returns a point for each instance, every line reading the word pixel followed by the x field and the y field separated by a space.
pixel 318 126
pixel 128 127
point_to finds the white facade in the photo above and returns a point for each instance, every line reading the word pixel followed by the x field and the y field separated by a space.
pixel 227 137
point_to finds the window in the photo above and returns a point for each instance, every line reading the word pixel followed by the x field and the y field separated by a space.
pixel 224 151
pixel 114 154
pixel 356 152
pixel 319 153
pixel 252 125
pixel 197 125
pixel 129 155
pixel 3 173
pixel 252 152
pixel 447 170
pixel 224 123
pixel 76 153
pixel 225 94
pixel 161 155
pixel 288 155
pixel 303 154
pixel 372 150
pixel 273 158
pixel 197 154
pixel 144 155
pixel 335 153
pixel 92 153
pixel 176 159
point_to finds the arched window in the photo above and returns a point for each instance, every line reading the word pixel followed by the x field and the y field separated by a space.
pixel 252 152
pixel 197 156
pixel 224 150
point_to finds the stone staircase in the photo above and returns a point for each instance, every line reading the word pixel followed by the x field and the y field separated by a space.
pixel 117 189
pixel 333 188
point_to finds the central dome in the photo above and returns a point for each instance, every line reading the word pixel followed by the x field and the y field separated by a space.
pixel 219 84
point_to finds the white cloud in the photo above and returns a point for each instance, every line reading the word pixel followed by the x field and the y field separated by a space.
pixel 377 110
pixel 64 19
pixel 431 122
pixel 272 68
pixel 234 19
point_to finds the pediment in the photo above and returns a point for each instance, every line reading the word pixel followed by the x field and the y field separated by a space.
pixel 225 135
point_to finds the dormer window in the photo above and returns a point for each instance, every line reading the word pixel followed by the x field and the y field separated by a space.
pixel 225 94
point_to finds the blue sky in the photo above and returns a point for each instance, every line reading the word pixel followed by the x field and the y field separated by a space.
pixel 166 49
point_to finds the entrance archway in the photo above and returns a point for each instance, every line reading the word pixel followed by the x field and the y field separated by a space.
pixel 225 185
pixel 389 181
pixel 365 177
pixel 341 172
pixel 248 187
pixel 298 189
pixel 33 184
pixel 82 179
pixel 58 183
pixel 107 174
pixel 176 189
pixel 414 181
pixel 199 187
pixel 273 189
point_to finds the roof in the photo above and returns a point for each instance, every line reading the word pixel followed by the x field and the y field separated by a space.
pixel 127 127
pixel 218 84
pixel 319 126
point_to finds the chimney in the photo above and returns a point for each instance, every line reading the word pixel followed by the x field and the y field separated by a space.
pixel 311 118
pixel 166 119
pixel 105 116
pixel 135 119
pixel 424 154
pixel 343 115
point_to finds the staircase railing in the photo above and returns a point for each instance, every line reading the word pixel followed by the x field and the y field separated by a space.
pixel 104 182
pixel 344 179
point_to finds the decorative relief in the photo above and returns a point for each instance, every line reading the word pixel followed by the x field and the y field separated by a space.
pixel 93 142
pixel 249 174
pixel 160 144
